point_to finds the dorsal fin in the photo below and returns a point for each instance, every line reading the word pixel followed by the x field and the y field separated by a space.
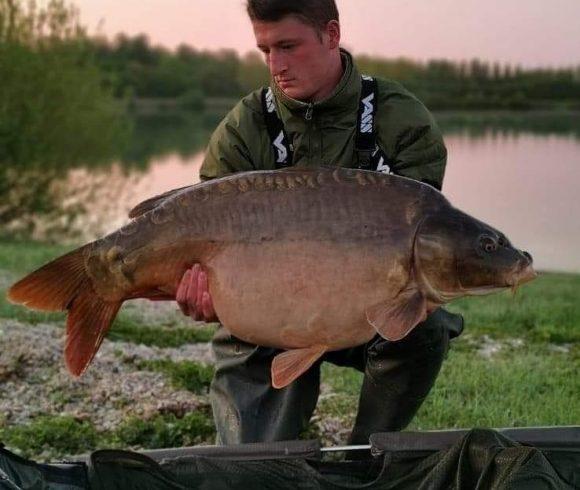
pixel 153 202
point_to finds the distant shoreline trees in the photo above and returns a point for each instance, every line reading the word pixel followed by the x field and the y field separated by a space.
pixel 190 76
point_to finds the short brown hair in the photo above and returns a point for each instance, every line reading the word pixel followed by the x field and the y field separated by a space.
pixel 317 13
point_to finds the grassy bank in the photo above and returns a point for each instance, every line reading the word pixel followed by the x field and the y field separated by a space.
pixel 515 365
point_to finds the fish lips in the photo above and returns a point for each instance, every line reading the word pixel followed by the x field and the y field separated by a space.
pixel 523 272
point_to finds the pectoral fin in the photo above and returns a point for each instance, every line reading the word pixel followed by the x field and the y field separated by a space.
pixel 393 320
pixel 289 365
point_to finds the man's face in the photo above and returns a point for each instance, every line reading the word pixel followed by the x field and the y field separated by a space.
pixel 299 58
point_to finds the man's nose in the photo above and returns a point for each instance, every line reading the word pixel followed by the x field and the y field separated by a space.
pixel 277 64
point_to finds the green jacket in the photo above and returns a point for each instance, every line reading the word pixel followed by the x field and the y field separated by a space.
pixel 406 132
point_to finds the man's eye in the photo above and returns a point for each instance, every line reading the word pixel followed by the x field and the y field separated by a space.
pixel 286 47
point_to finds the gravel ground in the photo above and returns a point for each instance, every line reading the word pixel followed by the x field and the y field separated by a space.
pixel 34 380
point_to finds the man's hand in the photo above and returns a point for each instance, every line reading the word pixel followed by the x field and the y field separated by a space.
pixel 193 295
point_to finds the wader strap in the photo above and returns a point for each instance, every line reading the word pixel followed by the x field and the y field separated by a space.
pixel 278 137
pixel 369 155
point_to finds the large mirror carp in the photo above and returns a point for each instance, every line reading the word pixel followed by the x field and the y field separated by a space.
pixel 305 260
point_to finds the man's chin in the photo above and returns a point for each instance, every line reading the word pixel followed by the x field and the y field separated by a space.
pixel 294 92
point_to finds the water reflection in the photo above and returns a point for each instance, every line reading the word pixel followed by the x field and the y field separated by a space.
pixel 107 196
pixel 519 172
pixel 525 185
pixel 158 136
pixel 491 124
pixel 76 201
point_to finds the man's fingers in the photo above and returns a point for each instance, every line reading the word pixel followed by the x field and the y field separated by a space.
pixel 193 287
pixel 207 307
pixel 201 288
pixel 193 296
pixel 182 292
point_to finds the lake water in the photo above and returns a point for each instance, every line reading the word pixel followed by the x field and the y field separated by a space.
pixel 518 172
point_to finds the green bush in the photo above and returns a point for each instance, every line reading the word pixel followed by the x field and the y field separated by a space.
pixel 54 109
pixel 53 105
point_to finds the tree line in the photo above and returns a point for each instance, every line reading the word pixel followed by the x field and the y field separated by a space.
pixel 137 68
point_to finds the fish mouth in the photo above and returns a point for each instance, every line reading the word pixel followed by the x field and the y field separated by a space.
pixel 527 275
pixel 482 290
pixel 524 273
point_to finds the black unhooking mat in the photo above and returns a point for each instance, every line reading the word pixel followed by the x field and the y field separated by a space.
pixel 478 459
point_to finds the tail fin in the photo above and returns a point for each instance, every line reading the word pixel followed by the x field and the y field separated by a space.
pixel 88 322
pixel 54 285
pixel 63 284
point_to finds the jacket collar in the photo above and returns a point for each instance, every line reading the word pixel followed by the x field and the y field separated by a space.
pixel 344 98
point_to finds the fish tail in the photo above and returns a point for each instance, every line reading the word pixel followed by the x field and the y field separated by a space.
pixel 89 320
pixel 63 284
pixel 54 285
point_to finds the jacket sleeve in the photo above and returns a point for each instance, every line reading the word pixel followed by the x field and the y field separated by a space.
pixel 411 139
pixel 229 149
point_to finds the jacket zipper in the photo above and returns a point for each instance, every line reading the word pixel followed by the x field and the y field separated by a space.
pixel 309 111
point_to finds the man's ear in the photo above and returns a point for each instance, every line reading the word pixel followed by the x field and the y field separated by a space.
pixel 333 33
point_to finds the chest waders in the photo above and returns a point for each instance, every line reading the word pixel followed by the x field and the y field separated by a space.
pixel 369 155
pixel 397 375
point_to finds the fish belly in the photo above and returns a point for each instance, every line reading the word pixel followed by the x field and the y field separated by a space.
pixel 302 293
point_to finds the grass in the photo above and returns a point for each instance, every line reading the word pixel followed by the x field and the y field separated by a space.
pixel 56 437
pixel 128 328
pixel 17 259
pixel 532 385
pixel 22 257
pixel 166 431
pixel 535 384
pixel 51 435
pixel 189 375
pixel 545 310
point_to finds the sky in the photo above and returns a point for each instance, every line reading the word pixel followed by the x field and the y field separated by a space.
pixel 530 33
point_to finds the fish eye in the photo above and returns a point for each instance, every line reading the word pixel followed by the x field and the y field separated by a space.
pixel 488 243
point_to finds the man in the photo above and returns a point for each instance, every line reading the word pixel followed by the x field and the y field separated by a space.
pixel 316 94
